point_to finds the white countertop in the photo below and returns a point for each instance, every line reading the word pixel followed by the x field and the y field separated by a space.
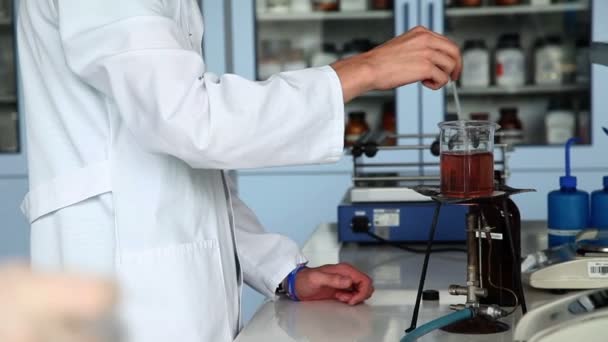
pixel 388 313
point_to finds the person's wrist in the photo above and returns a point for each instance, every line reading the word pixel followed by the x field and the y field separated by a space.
pixel 367 70
pixel 356 75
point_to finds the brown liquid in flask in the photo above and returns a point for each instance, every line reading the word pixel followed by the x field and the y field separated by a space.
pixel 467 175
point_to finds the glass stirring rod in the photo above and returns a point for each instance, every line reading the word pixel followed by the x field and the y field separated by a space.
pixel 456 100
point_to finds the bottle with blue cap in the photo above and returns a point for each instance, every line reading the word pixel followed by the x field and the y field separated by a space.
pixel 568 207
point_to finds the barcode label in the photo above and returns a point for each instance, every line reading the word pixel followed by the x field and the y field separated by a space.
pixel 598 269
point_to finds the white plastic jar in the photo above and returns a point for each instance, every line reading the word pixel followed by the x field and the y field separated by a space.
pixel 510 62
pixel 549 58
pixel 301 6
pixel 476 64
pixel 560 122
pixel 353 5
pixel 278 6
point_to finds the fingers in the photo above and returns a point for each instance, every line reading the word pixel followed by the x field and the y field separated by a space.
pixel 362 288
pixel 434 41
pixel 437 78
pixel 335 281
pixel 344 296
pixel 442 61
pixel 450 50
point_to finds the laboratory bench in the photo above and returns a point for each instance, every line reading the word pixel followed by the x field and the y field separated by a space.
pixel 386 315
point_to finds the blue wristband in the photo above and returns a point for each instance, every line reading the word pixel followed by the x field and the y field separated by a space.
pixel 291 283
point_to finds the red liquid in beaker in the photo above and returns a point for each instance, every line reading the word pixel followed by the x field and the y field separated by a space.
pixel 467 175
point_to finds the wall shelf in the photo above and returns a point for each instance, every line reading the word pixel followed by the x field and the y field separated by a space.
pixel 517 9
pixel 321 16
pixel 525 90
pixel 599 53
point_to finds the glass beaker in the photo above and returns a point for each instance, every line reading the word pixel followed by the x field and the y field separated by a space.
pixel 467 158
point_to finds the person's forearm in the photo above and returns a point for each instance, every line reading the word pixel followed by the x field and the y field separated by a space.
pixel 356 76
pixel 417 55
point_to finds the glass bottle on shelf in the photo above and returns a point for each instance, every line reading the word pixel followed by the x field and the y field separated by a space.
pixel 278 6
pixel 353 5
pixel 560 122
pixel 325 5
pixel 510 62
pixel 476 64
pixel 382 4
pixel 389 123
pixel 511 128
pixel 301 6
pixel 549 57
pixel 480 116
pixel 507 2
pixel 469 3
pixel 355 128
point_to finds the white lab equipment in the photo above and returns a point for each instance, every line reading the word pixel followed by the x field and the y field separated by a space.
pixel 579 265
pixel 130 135
pixel 579 317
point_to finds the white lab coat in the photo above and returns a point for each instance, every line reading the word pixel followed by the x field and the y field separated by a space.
pixel 128 135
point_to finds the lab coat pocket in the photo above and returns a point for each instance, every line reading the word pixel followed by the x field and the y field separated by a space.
pixel 177 290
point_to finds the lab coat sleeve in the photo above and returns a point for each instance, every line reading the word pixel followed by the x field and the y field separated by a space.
pixel 145 64
pixel 266 258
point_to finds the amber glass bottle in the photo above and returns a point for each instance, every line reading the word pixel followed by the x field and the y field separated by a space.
pixel 355 128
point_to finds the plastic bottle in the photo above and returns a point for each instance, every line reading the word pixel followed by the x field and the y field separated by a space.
pixel 599 207
pixel 510 62
pixel 568 207
pixel 476 64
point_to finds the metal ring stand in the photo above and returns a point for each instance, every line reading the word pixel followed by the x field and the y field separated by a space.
pixel 435 193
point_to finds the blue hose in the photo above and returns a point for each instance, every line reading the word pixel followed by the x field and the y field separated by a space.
pixel 438 324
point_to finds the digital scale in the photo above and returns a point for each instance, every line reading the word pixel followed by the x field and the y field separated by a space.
pixel 579 265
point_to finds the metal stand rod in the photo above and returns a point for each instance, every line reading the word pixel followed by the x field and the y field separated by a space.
pixel 472 259
pixel 425 266
pixel 516 258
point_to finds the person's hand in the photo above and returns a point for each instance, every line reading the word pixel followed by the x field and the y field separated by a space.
pixel 417 55
pixel 341 282
pixel 42 307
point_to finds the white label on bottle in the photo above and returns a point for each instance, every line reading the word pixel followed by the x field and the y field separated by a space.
pixel 476 69
pixel 549 65
pixel 597 269
pixel 353 5
pixel 512 136
pixel 386 217
pixel 510 68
